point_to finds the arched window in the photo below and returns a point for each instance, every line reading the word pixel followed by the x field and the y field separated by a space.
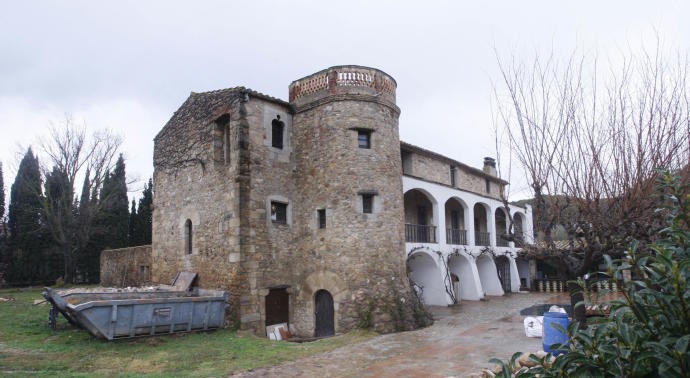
pixel 277 129
pixel 188 236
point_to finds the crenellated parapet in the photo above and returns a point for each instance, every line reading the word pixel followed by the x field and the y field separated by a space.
pixel 340 81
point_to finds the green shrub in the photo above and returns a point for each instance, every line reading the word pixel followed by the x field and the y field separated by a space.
pixel 647 333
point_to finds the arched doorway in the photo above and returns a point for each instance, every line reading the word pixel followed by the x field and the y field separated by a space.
pixel 488 277
pixel 324 324
pixel 462 268
pixel 427 279
pixel 503 270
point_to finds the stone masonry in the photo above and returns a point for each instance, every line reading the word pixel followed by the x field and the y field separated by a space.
pixel 126 266
pixel 259 196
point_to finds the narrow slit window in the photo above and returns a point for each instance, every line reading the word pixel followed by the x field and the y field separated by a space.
pixel 321 214
pixel 452 176
pixel 488 186
pixel 188 236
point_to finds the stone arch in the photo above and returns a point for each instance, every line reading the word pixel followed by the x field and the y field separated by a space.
pixel 462 267
pixel 486 267
pixel 424 271
pixel 324 280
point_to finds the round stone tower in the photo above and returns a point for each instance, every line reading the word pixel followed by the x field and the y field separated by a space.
pixel 350 203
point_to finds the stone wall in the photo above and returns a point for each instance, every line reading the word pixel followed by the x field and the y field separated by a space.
pixel 127 267
pixel 436 168
pixel 357 257
pixel 269 250
pixel 217 169
pixel 195 179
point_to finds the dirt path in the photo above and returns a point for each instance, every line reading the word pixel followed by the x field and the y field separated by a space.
pixel 460 342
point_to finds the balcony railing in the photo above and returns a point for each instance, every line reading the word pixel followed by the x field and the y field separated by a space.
pixel 482 238
pixel 417 233
pixel 550 285
pixel 456 236
pixel 500 242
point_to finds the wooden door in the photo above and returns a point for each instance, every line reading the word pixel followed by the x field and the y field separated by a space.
pixel 323 314
pixel 277 307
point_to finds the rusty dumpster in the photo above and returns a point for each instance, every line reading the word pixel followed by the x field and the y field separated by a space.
pixel 113 313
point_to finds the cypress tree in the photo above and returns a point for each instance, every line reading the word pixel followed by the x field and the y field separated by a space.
pixel 88 256
pixel 2 198
pixel 24 227
pixel 3 229
pixel 134 234
pixel 144 215
pixel 115 207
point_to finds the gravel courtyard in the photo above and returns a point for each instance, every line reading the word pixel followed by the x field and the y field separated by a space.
pixel 461 341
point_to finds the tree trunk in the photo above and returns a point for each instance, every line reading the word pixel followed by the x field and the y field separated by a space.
pixel 577 296
pixel 69 265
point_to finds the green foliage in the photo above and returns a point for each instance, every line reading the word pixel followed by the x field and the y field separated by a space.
pixel 114 218
pixel 409 312
pixel 366 315
pixel 2 196
pixel 140 224
pixel 27 240
pixel 648 331
pixel 145 213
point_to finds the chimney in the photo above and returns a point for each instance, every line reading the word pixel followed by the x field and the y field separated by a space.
pixel 490 166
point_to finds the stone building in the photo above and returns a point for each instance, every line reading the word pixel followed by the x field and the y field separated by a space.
pixel 311 211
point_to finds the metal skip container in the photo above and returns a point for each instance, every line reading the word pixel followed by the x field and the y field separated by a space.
pixel 114 313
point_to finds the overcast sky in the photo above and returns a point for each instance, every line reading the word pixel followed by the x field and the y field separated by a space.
pixel 128 65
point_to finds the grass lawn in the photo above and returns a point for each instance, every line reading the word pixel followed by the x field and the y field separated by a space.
pixel 29 348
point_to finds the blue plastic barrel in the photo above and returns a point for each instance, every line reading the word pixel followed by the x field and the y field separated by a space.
pixel 551 334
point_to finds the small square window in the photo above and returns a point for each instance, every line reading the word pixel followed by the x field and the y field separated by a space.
pixel 321 213
pixel 279 213
pixel 364 138
pixel 367 203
